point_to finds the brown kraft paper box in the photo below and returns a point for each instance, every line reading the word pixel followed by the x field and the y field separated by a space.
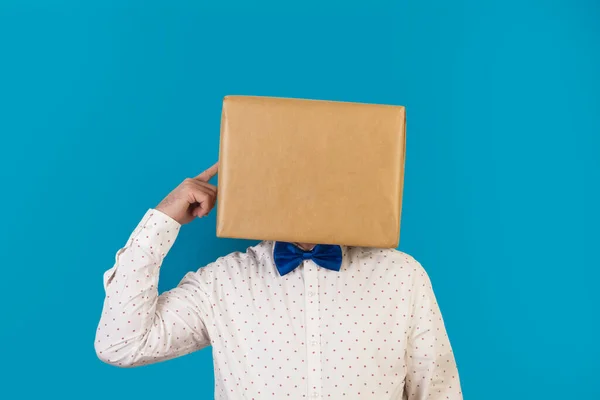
pixel 311 171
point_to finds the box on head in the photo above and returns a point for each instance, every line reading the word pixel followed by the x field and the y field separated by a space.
pixel 311 171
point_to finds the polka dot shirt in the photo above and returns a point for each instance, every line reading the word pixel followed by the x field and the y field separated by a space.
pixel 372 330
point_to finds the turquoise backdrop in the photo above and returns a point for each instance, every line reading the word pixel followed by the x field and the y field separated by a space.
pixel 105 106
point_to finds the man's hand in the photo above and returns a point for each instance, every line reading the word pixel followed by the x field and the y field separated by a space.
pixel 194 197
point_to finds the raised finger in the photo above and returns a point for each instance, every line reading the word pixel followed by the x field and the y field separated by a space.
pixel 206 175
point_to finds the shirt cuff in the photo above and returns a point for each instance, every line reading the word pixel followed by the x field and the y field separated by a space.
pixel 156 232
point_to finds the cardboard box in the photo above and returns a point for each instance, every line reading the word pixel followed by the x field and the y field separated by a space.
pixel 311 171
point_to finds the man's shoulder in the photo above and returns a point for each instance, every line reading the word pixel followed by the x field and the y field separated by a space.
pixel 392 254
pixel 251 258
pixel 384 257
pixel 255 253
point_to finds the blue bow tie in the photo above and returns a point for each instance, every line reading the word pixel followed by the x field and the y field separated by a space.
pixel 288 256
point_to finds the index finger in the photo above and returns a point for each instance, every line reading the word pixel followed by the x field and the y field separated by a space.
pixel 209 173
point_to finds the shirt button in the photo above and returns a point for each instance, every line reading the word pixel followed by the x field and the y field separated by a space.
pixel 311 294
pixel 315 395
pixel 314 342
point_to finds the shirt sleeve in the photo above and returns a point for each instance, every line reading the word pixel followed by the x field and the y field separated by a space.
pixel 432 373
pixel 137 326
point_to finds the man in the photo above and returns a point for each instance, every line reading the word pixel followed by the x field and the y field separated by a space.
pixel 285 321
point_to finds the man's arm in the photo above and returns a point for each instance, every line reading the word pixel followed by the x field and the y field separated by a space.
pixel 431 368
pixel 137 326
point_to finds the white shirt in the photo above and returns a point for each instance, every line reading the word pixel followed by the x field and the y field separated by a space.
pixel 372 330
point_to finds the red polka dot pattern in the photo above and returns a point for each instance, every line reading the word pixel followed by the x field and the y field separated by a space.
pixel 373 330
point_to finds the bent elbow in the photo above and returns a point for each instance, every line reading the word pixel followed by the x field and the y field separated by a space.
pixel 113 354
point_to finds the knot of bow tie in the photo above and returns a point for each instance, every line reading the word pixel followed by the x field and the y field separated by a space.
pixel 288 256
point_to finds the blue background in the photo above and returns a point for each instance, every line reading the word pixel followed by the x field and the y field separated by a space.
pixel 105 106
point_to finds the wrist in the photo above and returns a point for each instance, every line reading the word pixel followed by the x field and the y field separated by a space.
pixel 157 232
